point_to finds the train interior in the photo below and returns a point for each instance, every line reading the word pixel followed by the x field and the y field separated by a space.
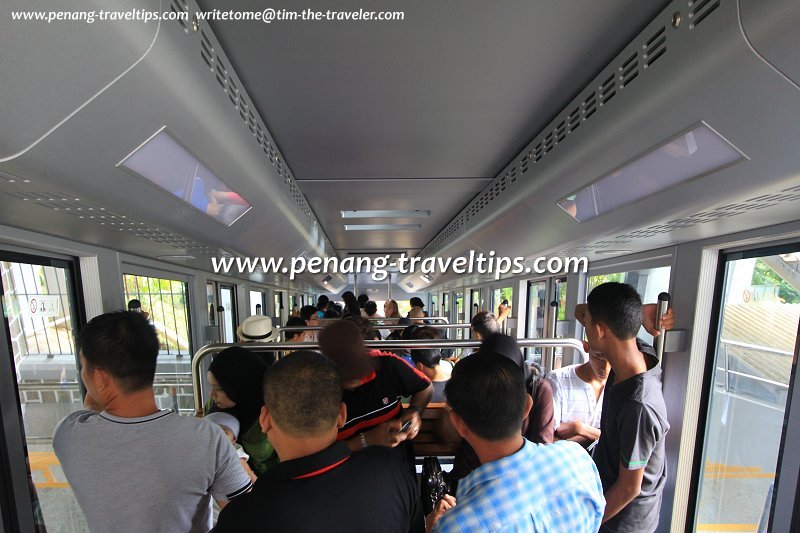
pixel 652 138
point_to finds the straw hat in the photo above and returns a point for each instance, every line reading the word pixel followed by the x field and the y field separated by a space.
pixel 256 328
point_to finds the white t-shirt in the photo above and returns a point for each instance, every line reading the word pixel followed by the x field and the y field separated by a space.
pixel 573 398
pixel 155 473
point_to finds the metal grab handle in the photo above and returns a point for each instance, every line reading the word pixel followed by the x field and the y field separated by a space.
pixel 209 349
pixel 663 305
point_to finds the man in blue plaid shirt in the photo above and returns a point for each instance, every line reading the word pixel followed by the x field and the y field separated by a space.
pixel 520 486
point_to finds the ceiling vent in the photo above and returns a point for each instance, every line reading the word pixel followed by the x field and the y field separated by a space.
pixel 700 10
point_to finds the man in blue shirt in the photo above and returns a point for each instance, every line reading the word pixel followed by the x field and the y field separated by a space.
pixel 520 485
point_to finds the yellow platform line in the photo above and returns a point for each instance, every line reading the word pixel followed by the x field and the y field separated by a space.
pixel 41 462
pixel 742 528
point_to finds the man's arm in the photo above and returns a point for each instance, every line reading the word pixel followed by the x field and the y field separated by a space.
pixel 416 405
pixel 577 431
pixel 623 491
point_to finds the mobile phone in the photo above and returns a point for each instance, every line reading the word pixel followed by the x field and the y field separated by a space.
pixel 406 426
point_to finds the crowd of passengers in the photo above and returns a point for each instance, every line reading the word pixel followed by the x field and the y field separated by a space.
pixel 322 440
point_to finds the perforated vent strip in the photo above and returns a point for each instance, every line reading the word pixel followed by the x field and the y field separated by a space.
pixel 700 10
pixel 211 54
pixel 756 203
pixel 653 46
pixel 181 11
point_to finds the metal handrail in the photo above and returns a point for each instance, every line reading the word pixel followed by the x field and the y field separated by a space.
pixel 441 318
pixel 203 352
pixel 381 326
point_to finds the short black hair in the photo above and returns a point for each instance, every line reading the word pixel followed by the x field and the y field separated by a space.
pixel 303 392
pixel 124 344
pixel 488 393
pixel 134 304
pixel 294 322
pixel 362 300
pixel 322 302
pixel 618 306
pixel 427 357
pixel 484 324
pixel 307 311
pixel 367 333
pixel 332 313
pixel 428 332
pixel 370 308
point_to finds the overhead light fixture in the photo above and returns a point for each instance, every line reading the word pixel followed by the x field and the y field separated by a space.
pixel 692 154
pixel 326 279
pixel 382 227
pixel 425 277
pixel 164 162
pixel 386 213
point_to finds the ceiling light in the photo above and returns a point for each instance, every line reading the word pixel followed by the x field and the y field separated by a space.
pixel 381 227
pixel 326 279
pixel 386 213
pixel 162 161
pixel 692 154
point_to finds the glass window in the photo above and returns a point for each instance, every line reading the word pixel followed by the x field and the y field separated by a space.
pixel 38 303
pixel 537 316
pixel 227 300
pixel 502 295
pixel 278 301
pixel 753 363
pixel 258 303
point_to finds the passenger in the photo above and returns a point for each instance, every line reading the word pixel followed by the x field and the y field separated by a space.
pixel 132 466
pixel 484 324
pixel 136 306
pixel 367 332
pixel 417 303
pixel 630 454
pixel 374 384
pixel 230 426
pixel 390 310
pixel 362 301
pixel 351 307
pixel 309 314
pixel 258 328
pixel 430 363
pixel 578 389
pixel 320 484
pixel 322 305
pixel 537 427
pixel 235 376
pixel 416 314
pixel 331 314
pixel 521 486
pixel 371 310
pixel 295 336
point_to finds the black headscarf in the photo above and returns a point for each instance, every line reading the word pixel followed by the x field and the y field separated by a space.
pixel 240 373
pixel 507 346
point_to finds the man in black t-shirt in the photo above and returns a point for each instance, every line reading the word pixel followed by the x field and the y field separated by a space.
pixel 320 485
pixel 630 454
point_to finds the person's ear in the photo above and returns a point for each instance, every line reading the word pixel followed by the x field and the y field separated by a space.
pixel 458 424
pixel 265 420
pixel 418 366
pixel 528 405
pixel 585 346
pixel 101 379
pixel 342 418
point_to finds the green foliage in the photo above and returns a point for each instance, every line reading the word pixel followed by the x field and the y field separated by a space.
pixel 764 275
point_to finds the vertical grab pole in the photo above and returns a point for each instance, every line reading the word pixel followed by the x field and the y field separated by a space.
pixel 552 320
pixel 663 305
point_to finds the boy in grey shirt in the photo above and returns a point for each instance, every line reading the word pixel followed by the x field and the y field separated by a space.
pixel 132 466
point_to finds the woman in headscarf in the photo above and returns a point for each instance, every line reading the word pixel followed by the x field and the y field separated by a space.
pixel 538 427
pixel 235 376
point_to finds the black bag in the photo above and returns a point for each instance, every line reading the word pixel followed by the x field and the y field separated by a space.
pixel 432 485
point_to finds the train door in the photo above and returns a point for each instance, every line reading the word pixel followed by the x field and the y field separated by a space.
pixel 258 302
pixel 746 471
pixel 536 316
pixel 227 309
pixel 39 387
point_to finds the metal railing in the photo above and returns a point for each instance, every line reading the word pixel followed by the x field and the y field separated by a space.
pixel 380 326
pixel 726 368
pixel 209 349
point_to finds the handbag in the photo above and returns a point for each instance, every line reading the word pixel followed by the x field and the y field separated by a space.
pixel 432 484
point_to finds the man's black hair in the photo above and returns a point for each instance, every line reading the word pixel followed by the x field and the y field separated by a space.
pixel 307 311
pixel 322 302
pixel 484 323
pixel 367 333
pixel 370 308
pixel 303 392
pixel 124 344
pixel 488 393
pixel 362 300
pixel 293 322
pixel 134 304
pixel 618 306
pixel 427 357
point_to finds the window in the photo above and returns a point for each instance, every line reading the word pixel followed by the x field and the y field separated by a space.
pixel 166 301
pixel 752 368
pixel 537 316
pixel 258 303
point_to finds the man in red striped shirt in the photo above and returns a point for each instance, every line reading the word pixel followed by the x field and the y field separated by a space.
pixel 374 384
